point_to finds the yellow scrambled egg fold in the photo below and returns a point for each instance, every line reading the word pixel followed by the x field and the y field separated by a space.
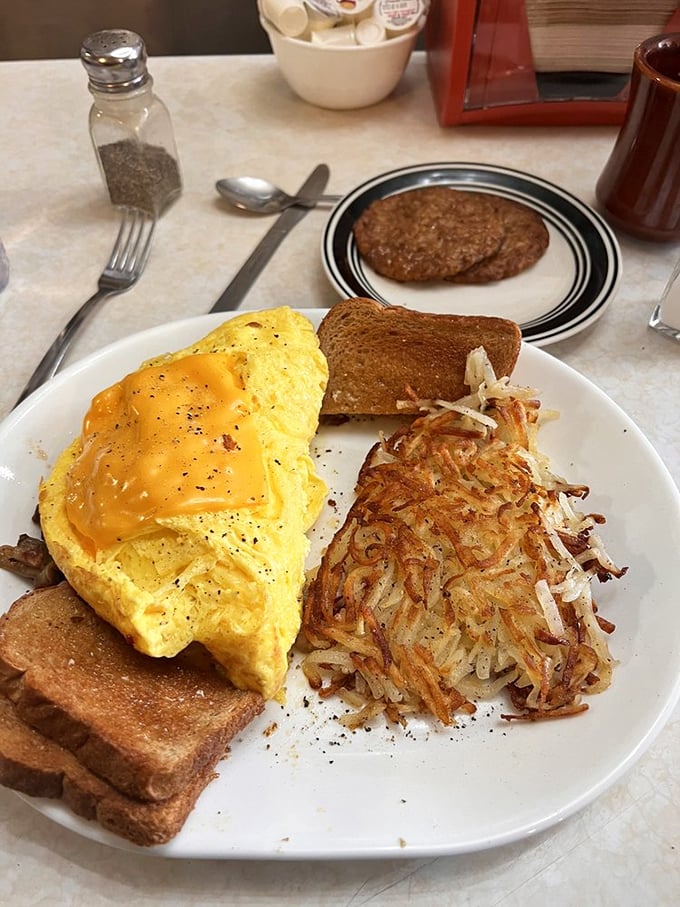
pixel 230 579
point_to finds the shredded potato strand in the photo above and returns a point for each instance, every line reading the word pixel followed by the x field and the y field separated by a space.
pixel 462 568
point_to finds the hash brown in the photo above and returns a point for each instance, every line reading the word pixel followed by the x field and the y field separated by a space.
pixel 463 568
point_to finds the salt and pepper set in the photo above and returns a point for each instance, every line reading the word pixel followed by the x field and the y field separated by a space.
pixel 129 125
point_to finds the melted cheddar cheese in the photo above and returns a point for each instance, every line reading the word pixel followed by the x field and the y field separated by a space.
pixel 166 440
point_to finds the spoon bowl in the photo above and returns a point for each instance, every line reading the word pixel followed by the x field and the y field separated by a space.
pixel 249 193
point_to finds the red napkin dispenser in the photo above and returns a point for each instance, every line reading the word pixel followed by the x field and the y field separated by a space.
pixel 535 63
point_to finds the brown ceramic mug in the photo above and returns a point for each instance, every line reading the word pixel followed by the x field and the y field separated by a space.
pixel 639 189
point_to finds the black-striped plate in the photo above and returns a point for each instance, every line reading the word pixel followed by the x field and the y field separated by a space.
pixel 563 293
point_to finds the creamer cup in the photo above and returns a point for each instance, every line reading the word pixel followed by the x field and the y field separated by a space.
pixel 370 31
pixel 289 16
pixel 320 21
pixel 327 8
pixel 340 36
pixel 353 8
pixel 398 16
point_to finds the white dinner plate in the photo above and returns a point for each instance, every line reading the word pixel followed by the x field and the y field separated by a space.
pixel 567 290
pixel 297 785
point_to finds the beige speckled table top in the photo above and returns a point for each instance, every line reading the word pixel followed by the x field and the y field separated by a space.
pixel 235 116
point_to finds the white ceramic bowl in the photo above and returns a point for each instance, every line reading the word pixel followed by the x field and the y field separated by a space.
pixel 338 77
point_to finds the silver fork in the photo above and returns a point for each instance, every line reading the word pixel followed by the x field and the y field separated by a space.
pixel 124 268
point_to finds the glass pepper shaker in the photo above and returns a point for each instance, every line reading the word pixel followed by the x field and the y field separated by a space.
pixel 130 126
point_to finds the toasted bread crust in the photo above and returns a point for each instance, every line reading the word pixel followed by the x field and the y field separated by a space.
pixel 147 726
pixel 376 353
pixel 34 765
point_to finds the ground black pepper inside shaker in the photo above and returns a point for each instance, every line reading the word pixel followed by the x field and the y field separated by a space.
pixel 129 125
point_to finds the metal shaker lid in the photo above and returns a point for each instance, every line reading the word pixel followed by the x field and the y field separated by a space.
pixel 115 60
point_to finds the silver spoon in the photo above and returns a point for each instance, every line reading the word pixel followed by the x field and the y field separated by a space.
pixel 262 197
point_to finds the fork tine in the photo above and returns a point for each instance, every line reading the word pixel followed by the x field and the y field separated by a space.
pixel 134 241
pixel 143 244
pixel 122 240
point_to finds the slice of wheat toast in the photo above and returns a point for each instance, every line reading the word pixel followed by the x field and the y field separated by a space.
pixel 34 765
pixel 148 726
pixel 377 353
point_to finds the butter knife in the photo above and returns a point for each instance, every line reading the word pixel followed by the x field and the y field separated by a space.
pixel 251 269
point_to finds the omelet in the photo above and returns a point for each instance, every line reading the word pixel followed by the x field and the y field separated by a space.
pixel 180 512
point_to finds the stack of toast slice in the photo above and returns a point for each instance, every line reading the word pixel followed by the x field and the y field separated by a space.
pixel 120 737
